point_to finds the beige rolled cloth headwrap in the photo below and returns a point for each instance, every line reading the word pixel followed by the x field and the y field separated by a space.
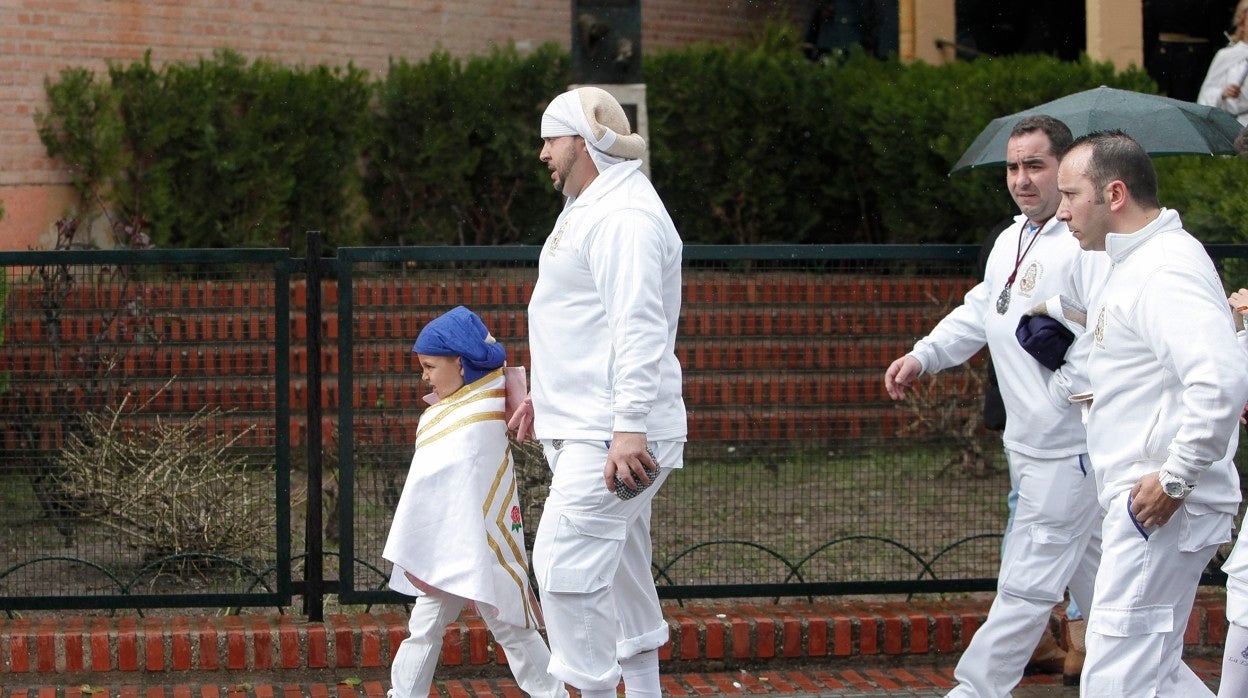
pixel 593 114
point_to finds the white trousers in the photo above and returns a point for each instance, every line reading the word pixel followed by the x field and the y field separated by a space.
pixel 411 672
pixel 1234 682
pixel 1144 594
pixel 1236 569
pixel 592 559
pixel 1053 544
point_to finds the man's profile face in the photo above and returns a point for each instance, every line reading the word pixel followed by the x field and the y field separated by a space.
pixel 1031 175
pixel 1082 206
pixel 562 155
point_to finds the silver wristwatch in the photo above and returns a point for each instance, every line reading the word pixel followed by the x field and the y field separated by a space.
pixel 1174 486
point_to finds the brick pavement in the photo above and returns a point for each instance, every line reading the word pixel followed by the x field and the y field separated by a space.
pixel 795 682
pixel 840 649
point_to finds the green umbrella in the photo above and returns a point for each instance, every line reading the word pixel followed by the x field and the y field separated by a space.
pixel 1161 125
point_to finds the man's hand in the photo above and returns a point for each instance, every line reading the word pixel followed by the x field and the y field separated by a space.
pixel 1150 504
pixel 1231 91
pixel 522 419
pixel 900 375
pixel 627 456
pixel 1239 306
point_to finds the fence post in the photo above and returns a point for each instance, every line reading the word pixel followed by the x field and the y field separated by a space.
pixel 313 565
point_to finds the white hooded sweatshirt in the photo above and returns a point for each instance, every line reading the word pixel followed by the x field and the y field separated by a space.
pixel 1167 372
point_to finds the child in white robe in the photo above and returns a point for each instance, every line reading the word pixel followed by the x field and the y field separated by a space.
pixel 457 535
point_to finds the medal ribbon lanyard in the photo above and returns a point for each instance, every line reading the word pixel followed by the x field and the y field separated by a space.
pixel 1003 301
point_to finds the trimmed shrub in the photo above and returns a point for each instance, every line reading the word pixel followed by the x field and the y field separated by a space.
pixel 750 143
pixel 755 144
pixel 747 144
pixel 216 153
pixel 455 157
pixel 915 121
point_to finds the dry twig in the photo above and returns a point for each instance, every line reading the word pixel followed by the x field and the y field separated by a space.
pixel 168 488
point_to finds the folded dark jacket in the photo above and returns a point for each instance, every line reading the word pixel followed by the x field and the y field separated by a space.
pixel 1045 339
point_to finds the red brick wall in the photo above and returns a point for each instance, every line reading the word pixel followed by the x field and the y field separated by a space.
pixel 40 37
pixel 766 357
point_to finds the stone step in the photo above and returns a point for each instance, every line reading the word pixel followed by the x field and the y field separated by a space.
pixel 68 650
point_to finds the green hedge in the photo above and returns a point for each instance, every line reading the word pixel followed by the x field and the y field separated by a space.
pixel 216 153
pixel 455 160
pixel 750 143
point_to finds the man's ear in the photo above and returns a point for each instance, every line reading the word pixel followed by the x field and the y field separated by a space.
pixel 459 361
pixel 1118 195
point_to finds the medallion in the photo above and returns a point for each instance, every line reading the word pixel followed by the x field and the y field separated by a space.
pixel 1003 301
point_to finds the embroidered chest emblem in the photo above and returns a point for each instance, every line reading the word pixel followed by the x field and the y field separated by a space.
pixel 1027 285
pixel 553 243
pixel 515 518
pixel 1100 329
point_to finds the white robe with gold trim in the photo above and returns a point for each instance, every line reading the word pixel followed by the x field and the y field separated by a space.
pixel 457 527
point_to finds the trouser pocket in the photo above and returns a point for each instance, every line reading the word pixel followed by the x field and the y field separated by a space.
pixel 1039 561
pixel 583 554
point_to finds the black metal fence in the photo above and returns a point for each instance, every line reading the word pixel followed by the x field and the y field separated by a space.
pixel 146 453
pixel 152 402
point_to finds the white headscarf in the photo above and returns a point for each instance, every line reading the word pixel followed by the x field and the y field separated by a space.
pixel 593 114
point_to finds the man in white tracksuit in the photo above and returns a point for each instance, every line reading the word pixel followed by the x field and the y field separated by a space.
pixel 1168 385
pixel 1053 542
pixel 1234 681
pixel 606 397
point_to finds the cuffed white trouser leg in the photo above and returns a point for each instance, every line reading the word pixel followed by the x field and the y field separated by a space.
pixel 1054 543
pixel 641 675
pixel 411 672
pixel 1234 662
pixel 1235 652
pixel 591 559
pixel 528 657
pixel 1144 594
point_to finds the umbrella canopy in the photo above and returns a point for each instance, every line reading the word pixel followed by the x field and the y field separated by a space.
pixel 1161 125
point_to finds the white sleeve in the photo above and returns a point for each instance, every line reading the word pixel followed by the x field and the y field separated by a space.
pixel 1228 66
pixel 1088 277
pixel 1174 307
pixel 626 253
pixel 958 335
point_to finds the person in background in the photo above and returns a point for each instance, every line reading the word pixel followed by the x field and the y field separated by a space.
pixel 1053 542
pixel 1162 421
pixel 1235 651
pixel 606 397
pixel 457 536
pixel 1224 83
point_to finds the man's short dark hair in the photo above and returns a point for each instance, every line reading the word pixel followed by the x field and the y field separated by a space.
pixel 1057 131
pixel 1117 156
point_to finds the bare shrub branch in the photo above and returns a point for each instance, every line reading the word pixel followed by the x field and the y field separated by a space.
pixel 167 487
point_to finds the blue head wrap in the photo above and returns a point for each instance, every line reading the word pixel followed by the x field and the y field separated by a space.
pixel 459 332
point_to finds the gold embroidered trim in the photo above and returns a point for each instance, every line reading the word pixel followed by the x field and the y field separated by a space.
pixel 444 412
pixel 422 440
pixel 500 523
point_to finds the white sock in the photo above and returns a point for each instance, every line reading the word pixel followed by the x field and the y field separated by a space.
pixel 600 693
pixel 641 675
pixel 1235 663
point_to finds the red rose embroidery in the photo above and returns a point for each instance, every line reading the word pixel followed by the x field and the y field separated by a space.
pixel 515 518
